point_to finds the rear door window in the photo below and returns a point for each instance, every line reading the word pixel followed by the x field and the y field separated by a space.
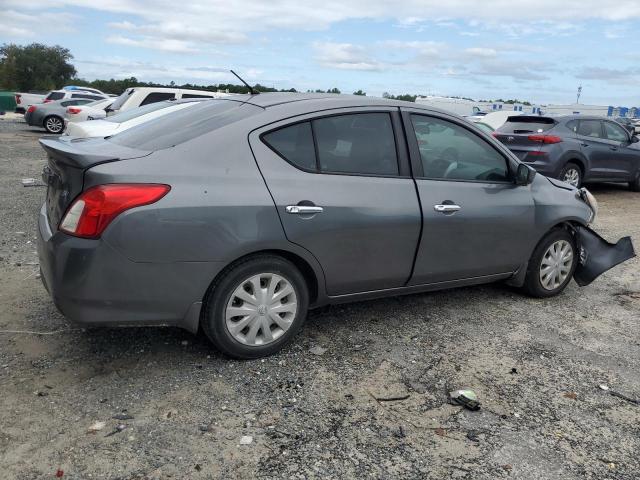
pixel 295 144
pixel 362 144
pixel 154 97
pixel 615 132
pixel 449 151
pixel 590 128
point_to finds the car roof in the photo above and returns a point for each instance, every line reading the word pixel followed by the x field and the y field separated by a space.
pixel 320 101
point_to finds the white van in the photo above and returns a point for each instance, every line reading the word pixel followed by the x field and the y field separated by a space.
pixel 140 96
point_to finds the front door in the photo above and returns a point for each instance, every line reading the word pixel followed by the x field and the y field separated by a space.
pixel 622 158
pixel 477 222
pixel 596 148
pixel 342 187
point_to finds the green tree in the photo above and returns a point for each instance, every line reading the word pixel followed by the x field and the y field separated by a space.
pixel 34 67
pixel 360 92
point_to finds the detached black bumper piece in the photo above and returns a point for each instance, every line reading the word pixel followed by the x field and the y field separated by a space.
pixel 597 255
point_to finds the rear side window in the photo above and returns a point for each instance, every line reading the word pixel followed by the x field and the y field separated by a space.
pixel 294 144
pixel 184 125
pixel 451 152
pixel 154 97
pixel 526 124
pixel 615 132
pixel 55 96
pixel 360 144
pixel 590 128
pixel 196 95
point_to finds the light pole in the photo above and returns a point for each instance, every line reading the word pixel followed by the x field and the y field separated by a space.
pixel 578 96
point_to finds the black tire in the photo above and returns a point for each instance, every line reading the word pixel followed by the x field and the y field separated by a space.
pixel 567 170
pixel 53 124
pixel 634 185
pixel 213 321
pixel 533 283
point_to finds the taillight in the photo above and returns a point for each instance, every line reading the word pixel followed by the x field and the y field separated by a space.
pixel 91 213
pixel 545 138
pixel 31 109
pixel 74 110
pixel 18 97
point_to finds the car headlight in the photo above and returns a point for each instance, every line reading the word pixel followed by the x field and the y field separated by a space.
pixel 587 197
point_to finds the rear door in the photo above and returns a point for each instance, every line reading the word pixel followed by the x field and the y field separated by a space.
pixel 622 158
pixel 342 187
pixel 476 221
pixel 596 148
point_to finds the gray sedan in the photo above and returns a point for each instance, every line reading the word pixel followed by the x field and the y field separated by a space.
pixel 238 215
pixel 50 115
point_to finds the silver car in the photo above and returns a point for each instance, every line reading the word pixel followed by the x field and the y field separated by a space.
pixel 240 214
pixel 50 115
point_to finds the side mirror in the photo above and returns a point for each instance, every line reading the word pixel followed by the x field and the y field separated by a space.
pixel 524 174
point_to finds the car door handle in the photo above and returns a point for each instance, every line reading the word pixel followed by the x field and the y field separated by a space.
pixel 446 208
pixel 303 209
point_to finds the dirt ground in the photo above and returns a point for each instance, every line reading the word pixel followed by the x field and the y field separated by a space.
pixel 536 366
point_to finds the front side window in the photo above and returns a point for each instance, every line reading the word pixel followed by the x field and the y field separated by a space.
pixel 154 97
pixel 451 152
pixel 615 132
pixel 590 128
pixel 361 144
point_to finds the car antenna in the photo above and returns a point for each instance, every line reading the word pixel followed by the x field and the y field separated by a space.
pixel 251 90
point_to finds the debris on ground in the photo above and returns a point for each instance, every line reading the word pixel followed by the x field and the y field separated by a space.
pixel 317 350
pixel 467 398
pixel 392 399
pixel 571 395
pixel 119 428
pixel 122 416
pixel 96 427
pixel 246 440
pixel 31 182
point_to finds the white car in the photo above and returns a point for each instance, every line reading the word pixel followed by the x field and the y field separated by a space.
pixel 141 96
pixel 75 92
pixel 25 100
pixel 89 111
pixel 125 120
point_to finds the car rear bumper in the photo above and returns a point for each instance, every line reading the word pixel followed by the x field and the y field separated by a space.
pixel 94 285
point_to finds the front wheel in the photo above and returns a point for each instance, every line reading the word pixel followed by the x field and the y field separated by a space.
pixel 256 307
pixel 53 124
pixel 572 174
pixel 634 185
pixel 551 265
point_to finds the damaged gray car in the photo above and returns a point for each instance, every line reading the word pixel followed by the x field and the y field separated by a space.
pixel 239 215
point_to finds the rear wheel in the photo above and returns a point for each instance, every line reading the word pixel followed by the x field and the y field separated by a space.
pixel 572 174
pixel 53 124
pixel 551 265
pixel 256 307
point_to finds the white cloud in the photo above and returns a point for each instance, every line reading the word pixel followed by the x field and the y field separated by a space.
pixel 165 45
pixel 344 56
pixel 28 25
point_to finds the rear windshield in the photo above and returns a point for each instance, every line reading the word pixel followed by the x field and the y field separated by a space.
pixel 121 99
pixel 183 125
pixel 55 96
pixel 524 124
pixel 136 112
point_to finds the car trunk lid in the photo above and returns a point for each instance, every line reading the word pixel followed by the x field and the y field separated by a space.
pixel 66 164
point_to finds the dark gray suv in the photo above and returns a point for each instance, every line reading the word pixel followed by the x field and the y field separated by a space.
pixel 241 213
pixel 574 148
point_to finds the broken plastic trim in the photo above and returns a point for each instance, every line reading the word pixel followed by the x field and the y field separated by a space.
pixel 597 255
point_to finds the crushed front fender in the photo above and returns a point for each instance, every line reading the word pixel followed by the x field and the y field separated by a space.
pixel 597 255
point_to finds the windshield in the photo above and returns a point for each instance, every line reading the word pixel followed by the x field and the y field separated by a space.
pixel 185 124
pixel 136 112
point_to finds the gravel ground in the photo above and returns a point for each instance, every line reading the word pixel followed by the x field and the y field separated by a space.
pixel 536 366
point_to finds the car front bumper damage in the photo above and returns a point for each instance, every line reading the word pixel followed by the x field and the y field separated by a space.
pixel 597 255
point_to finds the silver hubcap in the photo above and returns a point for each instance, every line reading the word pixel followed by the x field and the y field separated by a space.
pixel 54 124
pixel 556 264
pixel 572 176
pixel 261 309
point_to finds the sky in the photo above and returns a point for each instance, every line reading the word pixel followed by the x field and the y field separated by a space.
pixel 538 51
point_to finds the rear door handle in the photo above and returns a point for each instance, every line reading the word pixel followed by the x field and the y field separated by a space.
pixel 446 208
pixel 303 209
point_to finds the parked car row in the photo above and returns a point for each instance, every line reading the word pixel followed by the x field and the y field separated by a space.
pixel 235 215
